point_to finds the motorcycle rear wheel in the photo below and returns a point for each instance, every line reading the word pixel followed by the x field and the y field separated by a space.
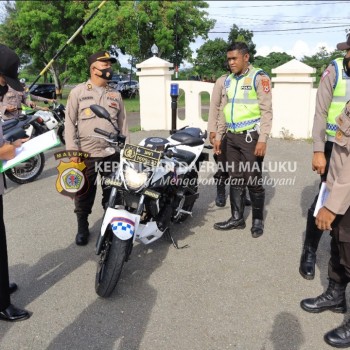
pixel 112 258
pixel 27 171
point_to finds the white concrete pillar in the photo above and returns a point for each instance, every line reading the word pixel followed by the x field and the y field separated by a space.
pixel 293 100
pixel 154 79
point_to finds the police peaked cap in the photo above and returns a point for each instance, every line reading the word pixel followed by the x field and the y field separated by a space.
pixel 9 63
pixel 101 56
pixel 345 45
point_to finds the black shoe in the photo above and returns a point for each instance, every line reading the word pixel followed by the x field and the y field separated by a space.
pixel 13 314
pixel 312 239
pixel 257 228
pixel 339 337
pixel 307 263
pixel 230 224
pixel 12 287
pixel 82 238
pixel 333 299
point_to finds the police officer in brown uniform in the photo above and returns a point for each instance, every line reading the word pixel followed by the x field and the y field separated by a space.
pixel 332 93
pixel 11 103
pixel 217 131
pixel 9 63
pixel 216 125
pixel 335 216
pixel 248 118
pixel 79 130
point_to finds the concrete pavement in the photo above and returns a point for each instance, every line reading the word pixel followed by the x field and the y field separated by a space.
pixel 225 291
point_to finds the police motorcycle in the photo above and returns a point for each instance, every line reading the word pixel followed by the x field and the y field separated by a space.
pixel 51 119
pixel 21 128
pixel 155 184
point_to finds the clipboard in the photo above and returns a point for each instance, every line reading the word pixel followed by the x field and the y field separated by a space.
pixel 31 148
pixel 322 197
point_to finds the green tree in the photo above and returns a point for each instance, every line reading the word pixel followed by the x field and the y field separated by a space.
pixel 211 58
pixel 321 60
pixel 38 29
pixel 243 35
pixel 272 60
pixel 171 25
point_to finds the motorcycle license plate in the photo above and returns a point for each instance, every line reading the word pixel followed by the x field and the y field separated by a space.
pixel 141 154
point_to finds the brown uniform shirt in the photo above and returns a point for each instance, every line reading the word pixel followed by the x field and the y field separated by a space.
pixel 338 179
pixel 12 98
pixel 2 141
pixel 324 98
pixel 216 119
pixel 80 121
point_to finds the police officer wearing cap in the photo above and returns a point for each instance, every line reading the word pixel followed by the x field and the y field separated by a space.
pixel 80 123
pixel 11 103
pixel 248 119
pixel 335 216
pixel 333 92
pixel 9 63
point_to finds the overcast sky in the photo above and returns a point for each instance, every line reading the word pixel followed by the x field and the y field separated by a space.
pixel 298 28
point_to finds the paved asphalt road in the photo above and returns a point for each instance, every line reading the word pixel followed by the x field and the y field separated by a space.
pixel 225 291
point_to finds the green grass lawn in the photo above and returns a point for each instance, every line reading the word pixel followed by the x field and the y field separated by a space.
pixel 133 104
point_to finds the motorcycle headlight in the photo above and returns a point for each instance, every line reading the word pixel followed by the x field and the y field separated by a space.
pixel 134 179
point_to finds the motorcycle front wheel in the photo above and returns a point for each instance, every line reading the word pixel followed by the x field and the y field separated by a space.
pixel 113 255
pixel 28 170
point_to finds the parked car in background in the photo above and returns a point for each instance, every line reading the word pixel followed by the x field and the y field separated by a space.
pixel 44 90
pixel 128 88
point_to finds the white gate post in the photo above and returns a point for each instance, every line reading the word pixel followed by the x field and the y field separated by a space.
pixel 154 79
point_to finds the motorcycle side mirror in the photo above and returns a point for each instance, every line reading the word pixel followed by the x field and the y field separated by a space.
pixel 101 112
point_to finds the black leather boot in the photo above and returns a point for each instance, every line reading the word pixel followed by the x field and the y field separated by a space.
pixel 339 337
pixel 308 255
pixel 236 221
pixel 220 200
pixel 82 237
pixel 258 200
pixel 332 299
pixel 247 203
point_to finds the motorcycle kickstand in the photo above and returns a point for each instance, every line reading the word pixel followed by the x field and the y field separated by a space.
pixel 168 236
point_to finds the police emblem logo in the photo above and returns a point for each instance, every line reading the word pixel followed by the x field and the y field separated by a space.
pixel 247 81
pixel 71 180
pixel 266 85
pixel 227 83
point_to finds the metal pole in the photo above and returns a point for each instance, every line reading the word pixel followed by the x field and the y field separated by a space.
pixel 67 43
pixel 174 93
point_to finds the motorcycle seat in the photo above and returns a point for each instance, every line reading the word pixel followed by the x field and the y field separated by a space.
pixel 191 135
pixel 183 137
pixel 8 124
pixel 184 156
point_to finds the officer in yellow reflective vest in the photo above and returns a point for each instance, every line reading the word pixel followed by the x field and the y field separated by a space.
pixel 248 119
pixel 332 94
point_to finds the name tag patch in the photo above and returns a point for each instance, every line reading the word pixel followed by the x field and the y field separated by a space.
pixel 246 87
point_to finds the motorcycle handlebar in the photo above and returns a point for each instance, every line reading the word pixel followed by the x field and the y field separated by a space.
pixel 110 135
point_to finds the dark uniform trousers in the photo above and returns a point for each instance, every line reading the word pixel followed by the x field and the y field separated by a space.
pixel 4 271
pixel 220 160
pixel 244 167
pixel 327 153
pixel 94 165
pixel 339 263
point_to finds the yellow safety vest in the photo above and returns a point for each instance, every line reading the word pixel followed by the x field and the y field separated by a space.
pixel 242 111
pixel 341 95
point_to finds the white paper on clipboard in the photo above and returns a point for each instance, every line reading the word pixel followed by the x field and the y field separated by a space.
pixel 32 147
pixel 322 197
